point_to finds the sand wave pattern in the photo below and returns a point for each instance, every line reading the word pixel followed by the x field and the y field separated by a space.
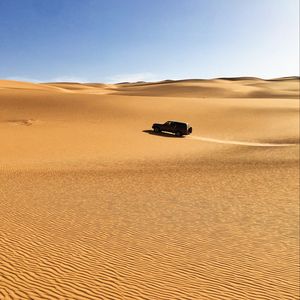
pixel 242 143
pixel 86 235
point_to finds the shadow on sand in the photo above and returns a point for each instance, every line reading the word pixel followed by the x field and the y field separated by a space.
pixel 163 134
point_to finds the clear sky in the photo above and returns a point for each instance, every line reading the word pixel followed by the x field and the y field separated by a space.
pixel 131 40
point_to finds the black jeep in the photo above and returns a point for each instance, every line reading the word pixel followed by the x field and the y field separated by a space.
pixel 179 128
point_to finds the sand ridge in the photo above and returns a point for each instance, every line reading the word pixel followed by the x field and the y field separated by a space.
pixel 243 87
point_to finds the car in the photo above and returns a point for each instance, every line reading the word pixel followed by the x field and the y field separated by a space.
pixel 178 128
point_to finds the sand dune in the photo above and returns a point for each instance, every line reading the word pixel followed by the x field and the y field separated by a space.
pixel 243 87
pixel 93 205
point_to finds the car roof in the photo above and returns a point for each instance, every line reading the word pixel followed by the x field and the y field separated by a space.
pixel 177 122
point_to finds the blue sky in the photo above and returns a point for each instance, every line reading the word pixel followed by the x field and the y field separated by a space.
pixel 131 40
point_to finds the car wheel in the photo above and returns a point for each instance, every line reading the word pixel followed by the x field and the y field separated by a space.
pixel 156 130
pixel 178 133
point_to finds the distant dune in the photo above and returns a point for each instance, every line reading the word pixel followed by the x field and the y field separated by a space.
pixel 240 87
pixel 93 205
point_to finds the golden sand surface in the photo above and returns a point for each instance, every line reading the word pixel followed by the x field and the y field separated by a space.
pixel 93 205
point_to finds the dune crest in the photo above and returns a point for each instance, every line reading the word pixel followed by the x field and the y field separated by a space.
pixel 236 87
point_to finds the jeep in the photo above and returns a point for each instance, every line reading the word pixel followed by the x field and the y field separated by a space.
pixel 179 128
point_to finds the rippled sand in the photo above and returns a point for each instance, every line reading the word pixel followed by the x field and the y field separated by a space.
pixel 93 205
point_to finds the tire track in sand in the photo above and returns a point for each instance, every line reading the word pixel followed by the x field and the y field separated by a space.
pixel 242 143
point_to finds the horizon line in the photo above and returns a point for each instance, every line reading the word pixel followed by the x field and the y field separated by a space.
pixel 295 77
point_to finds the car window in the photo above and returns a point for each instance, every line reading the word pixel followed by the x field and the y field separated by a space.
pixel 181 125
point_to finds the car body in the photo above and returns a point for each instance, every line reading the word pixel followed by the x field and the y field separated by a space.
pixel 179 128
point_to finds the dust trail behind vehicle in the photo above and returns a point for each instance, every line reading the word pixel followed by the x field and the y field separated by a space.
pixel 243 143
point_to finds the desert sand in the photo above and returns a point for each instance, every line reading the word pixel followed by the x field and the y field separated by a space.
pixel 93 205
